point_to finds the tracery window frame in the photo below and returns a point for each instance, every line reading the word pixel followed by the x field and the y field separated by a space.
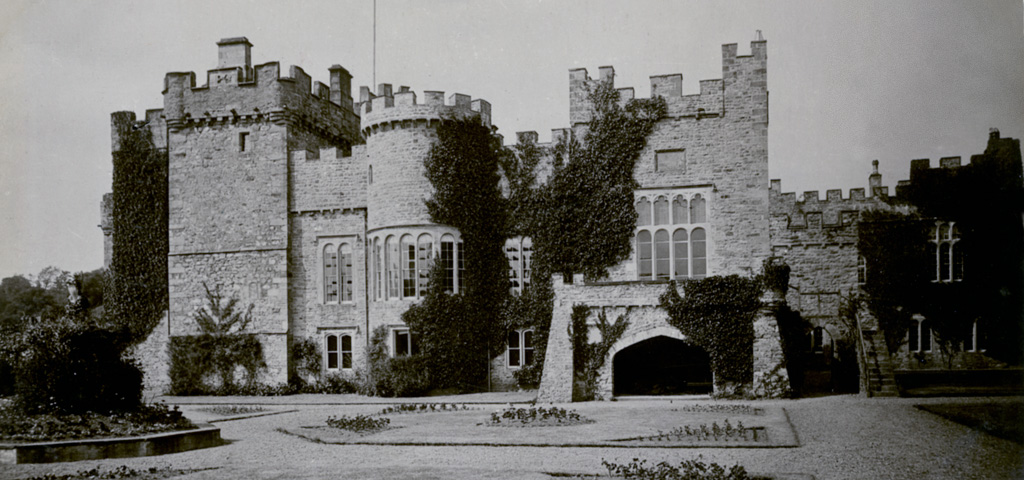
pixel 523 353
pixel 671 212
pixel 948 261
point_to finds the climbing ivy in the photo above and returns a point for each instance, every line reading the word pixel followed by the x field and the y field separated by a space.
pixel 717 314
pixel 531 310
pixel 588 358
pixel 136 294
pixel 583 217
pixel 459 334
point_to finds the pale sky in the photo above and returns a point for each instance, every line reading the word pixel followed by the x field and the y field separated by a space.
pixel 849 82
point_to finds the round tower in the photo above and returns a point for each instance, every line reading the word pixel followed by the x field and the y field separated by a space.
pixel 403 241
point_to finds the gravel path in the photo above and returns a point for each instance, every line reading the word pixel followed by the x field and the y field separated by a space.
pixel 841 437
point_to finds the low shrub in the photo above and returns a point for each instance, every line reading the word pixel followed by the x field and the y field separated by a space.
pixel 736 409
pixel 226 410
pixel 687 470
pixel 358 423
pixel 704 433
pixel 553 416
pixel 193 358
pixel 423 408
pixel 146 419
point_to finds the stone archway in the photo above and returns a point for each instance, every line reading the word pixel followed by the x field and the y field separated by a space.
pixel 659 361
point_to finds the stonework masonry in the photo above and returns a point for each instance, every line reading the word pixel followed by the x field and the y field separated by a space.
pixel 271 175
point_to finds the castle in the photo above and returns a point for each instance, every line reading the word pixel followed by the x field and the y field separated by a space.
pixel 292 196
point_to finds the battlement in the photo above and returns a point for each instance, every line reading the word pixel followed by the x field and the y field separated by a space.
pixel 153 121
pixel 236 90
pixel 708 103
pixel 387 107
pixel 812 213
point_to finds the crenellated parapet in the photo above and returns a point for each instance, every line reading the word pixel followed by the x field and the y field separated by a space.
pixel 389 109
pixel 236 92
pixel 745 74
pixel 811 219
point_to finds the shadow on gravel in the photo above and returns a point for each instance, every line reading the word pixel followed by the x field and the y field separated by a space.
pixel 1003 420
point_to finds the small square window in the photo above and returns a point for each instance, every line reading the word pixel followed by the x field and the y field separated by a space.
pixel 670 161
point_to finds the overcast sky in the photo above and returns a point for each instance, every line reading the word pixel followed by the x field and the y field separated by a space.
pixel 849 81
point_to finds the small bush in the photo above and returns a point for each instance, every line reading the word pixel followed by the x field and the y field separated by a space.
pixel 69 365
pixel 687 470
pixel 358 423
pixel 226 410
pixel 423 408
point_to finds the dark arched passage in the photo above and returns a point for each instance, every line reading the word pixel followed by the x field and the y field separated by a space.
pixel 661 366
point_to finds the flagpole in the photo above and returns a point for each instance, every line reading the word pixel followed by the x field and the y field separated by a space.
pixel 374 86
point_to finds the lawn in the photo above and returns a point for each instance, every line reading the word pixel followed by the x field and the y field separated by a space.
pixel 1003 420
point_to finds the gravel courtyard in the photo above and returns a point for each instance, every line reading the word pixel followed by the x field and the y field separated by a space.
pixel 839 437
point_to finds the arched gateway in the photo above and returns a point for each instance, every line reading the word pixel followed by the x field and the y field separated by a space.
pixel 657 361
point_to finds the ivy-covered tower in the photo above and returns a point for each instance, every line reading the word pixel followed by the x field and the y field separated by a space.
pixel 399 130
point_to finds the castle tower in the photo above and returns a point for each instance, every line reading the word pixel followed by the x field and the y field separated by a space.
pixel 399 132
pixel 229 144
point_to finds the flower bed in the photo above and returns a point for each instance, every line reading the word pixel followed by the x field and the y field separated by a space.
pixel 537 417
pixel 16 427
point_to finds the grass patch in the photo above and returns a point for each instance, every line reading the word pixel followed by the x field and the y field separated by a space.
pixel 1003 420
pixel 228 410
pixel 16 427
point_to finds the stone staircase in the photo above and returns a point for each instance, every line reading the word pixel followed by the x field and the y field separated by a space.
pixel 880 379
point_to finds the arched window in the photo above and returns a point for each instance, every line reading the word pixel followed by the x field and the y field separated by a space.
pixel 376 264
pixel 699 249
pixel 332 352
pixel 681 251
pixel 520 348
pixel 448 260
pixel 345 272
pixel 680 211
pixel 643 212
pixel 514 256
pixel 661 211
pixel 662 255
pixel 346 351
pixel 643 246
pixel 394 266
pixel 408 267
pixel 697 213
pixel 424 260
pixel 948 261
pixel 330 274
pixel 919 339
pixel 862 270
pixel 978 343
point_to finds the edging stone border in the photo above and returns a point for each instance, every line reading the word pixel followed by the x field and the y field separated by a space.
pixel 205 436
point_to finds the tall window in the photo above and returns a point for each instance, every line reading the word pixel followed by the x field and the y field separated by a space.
pixel 346 351
pixel 699 249
pixel 408 267
pixel 330 274
pixel 378 289
pixel 345 272
pixel 424 260
pixel 527 261
pixel 518 252
pixel 448 260
pixel 394 267
pixel 862 270
pixel 460 284
pixel 332 352
pixel 948 262
pixel 678 251
pixel 919 339
pixel 644 249
pixel 978 343
pixel 681 251
pixel 662 255
pixel 520 348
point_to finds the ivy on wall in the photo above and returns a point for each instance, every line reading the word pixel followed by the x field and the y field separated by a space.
pixel 584 218
pixel 717 314
pixel 459 334
pixel 531 309
pixel 136 295
pixel 587 357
